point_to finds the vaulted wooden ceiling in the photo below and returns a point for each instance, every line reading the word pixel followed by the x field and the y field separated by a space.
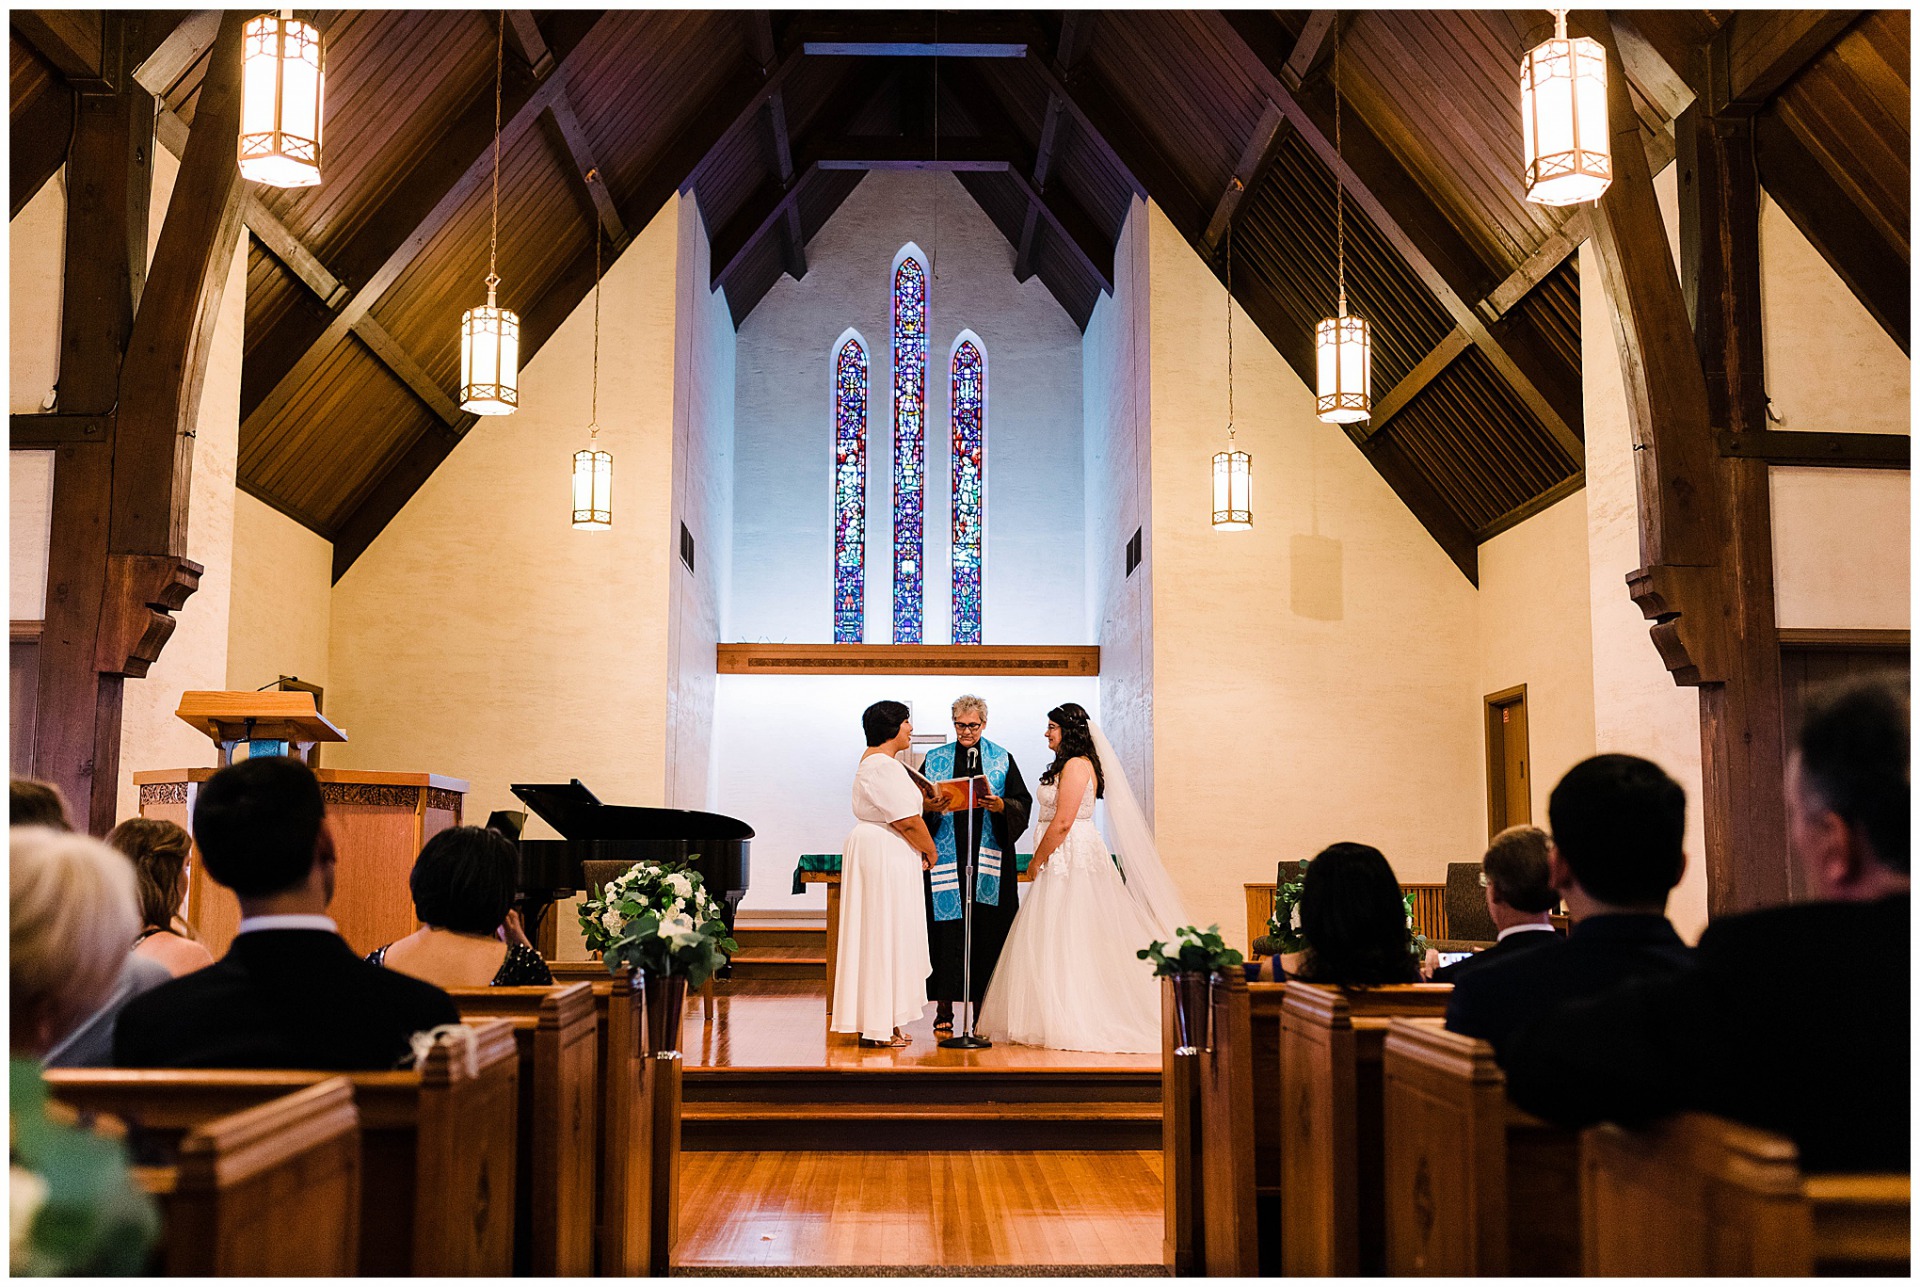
pixel 1052 121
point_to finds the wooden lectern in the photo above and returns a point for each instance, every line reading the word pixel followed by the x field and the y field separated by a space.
pixel 379 820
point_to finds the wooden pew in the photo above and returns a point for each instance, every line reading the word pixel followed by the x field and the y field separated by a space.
pixel 270 1191
pixel 1332 1220
pixel 639 1165
pixel 1184 1247
pixel 436 1144
pixel 1264 1004
pixel 1474 1186
pixel 556 1030
pixel 1699 1195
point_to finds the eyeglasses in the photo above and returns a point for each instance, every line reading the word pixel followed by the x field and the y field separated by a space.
pixel 968 728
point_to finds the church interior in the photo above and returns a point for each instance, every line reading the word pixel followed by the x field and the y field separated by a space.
pixel 1216 371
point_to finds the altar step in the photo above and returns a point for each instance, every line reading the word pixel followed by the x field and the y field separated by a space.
pixel 782 952
pixel 813 1109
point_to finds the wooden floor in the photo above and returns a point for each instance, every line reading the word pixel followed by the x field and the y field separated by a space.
pixel 920 1209
pixel 777 1024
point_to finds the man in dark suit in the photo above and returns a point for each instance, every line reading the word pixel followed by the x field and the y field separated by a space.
pixel 289 993
pixel 1618 822
pixel 1795 1018
pixel 1515 874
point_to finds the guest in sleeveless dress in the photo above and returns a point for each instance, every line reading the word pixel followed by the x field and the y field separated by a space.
pixel 469 935
pixel 881 979
pixel 159 850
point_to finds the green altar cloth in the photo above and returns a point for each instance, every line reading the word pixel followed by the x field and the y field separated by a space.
pixel 831 863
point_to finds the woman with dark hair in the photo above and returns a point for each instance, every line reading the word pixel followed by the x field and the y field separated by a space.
pixel 1354 919
pixel 159 850
pixel 1070 976
pixel 881 977
pixel 469 935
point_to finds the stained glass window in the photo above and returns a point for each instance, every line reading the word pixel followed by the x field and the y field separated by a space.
pixel 969 482
pixel 909 445
pixel 850 492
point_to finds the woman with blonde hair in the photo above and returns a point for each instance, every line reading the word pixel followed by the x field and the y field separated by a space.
pixel 72 912
pixel 159 850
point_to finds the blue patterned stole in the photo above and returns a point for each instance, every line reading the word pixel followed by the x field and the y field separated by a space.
pixel 946 868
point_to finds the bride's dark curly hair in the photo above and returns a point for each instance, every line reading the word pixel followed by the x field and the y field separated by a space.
pixel 1075 739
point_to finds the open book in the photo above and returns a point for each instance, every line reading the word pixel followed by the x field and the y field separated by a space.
pixel 950 794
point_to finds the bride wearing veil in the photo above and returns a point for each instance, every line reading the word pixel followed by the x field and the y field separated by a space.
pixel 1069 977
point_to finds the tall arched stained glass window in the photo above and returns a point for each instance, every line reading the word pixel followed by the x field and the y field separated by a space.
pixel 969 411
pixel 850 491
pixel 909 441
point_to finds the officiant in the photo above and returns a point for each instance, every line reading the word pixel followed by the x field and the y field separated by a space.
pixel 980 850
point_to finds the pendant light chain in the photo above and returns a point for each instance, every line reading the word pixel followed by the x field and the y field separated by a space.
pixel 1230 334
pixel 1339 191
pixel 593 422
pixel 493 237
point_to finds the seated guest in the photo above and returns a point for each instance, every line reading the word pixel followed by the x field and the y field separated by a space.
pixel 75 1208
pixel 1354 919
pixel 1796 1018
pixel 36 804
pixel 289 993
pixel 469 935
pixel 1519 899
pixel 1618 822
pixel 159 852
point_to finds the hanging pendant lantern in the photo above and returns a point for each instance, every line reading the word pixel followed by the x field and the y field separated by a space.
pixel 282 82
pixel 1563 118
pixel 1232 489
pixel 1343 344
pixel 490 335
pixel 592 467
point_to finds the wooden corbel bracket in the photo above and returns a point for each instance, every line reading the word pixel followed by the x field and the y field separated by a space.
pixel 1686 606
pixel 142 593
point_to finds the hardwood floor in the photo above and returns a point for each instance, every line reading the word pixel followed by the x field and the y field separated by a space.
pixel 919 1209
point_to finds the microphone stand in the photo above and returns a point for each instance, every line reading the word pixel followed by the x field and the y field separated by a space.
pixel 967 1039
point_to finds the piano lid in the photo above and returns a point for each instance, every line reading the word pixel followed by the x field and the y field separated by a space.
pixel 577 814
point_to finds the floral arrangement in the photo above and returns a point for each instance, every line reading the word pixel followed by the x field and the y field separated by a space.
pixel 1416 943
pixel 1284 935
pixel 1195 953
pixel 659 919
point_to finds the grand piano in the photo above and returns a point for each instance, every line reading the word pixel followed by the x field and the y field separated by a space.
pixel 619 835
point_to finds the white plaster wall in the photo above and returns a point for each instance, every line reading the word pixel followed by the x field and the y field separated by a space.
pixel 1829 364
pixel 703 501
pixel 151 737
pixel 1313 678
pixel 282 600
pixel 36 249
pixel 790 744
pixel 29 531
pixel 783 525
pixel 480 635
pixel 1842 548
pixel 1115 380
pixel 1638 709
pixel 1536 629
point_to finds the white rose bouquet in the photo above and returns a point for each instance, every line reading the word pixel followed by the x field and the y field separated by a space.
pixel 659 919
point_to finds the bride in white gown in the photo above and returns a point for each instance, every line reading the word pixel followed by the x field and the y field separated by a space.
pixel 1069 977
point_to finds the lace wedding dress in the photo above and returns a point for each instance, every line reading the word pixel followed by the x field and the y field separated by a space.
pixel 1069 977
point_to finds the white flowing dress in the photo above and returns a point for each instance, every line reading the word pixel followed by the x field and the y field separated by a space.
pixel 880 981
pixel 1069 977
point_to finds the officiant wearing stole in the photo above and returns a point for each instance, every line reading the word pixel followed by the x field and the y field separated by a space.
pixel 980 848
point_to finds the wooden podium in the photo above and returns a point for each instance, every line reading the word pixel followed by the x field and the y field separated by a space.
pixel 379 820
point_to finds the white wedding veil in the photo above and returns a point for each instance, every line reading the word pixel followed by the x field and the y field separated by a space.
pixel 1148 884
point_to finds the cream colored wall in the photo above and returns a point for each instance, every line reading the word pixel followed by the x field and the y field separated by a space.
pixel 1842 548
pixel 1119 490
pixel 480 635
pixel 29 531
pixel 196 656
pixel 703 501
pixel 36 249
pixel 1535 629
pixel 282 599
pixel 1313 678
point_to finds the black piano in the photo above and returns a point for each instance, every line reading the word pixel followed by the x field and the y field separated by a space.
pixel 710 843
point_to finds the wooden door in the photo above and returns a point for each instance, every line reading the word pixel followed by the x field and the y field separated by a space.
pixel 1509 786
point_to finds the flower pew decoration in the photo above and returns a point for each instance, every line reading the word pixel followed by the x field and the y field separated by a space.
pixel 657 920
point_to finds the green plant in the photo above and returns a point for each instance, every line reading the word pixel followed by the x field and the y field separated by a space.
pixel 1194 953
pixel 1284 935
pixel 659 919
pixel 1416 943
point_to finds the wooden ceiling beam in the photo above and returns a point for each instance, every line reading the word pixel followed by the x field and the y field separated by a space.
pixel 1559 246
pixel 904 34
pixel 586 169
pixel 82 44
pixel 1652 71
pixel 1760 50
pixel 1262 146
pixel 1310 49
pixel 456 184
pixel 1075 25
pixel 533 48
pixel 40 128
pixel 179 51
pixel 891 152
pixel 793 239
pixel 1366 193
pixel 1424 373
